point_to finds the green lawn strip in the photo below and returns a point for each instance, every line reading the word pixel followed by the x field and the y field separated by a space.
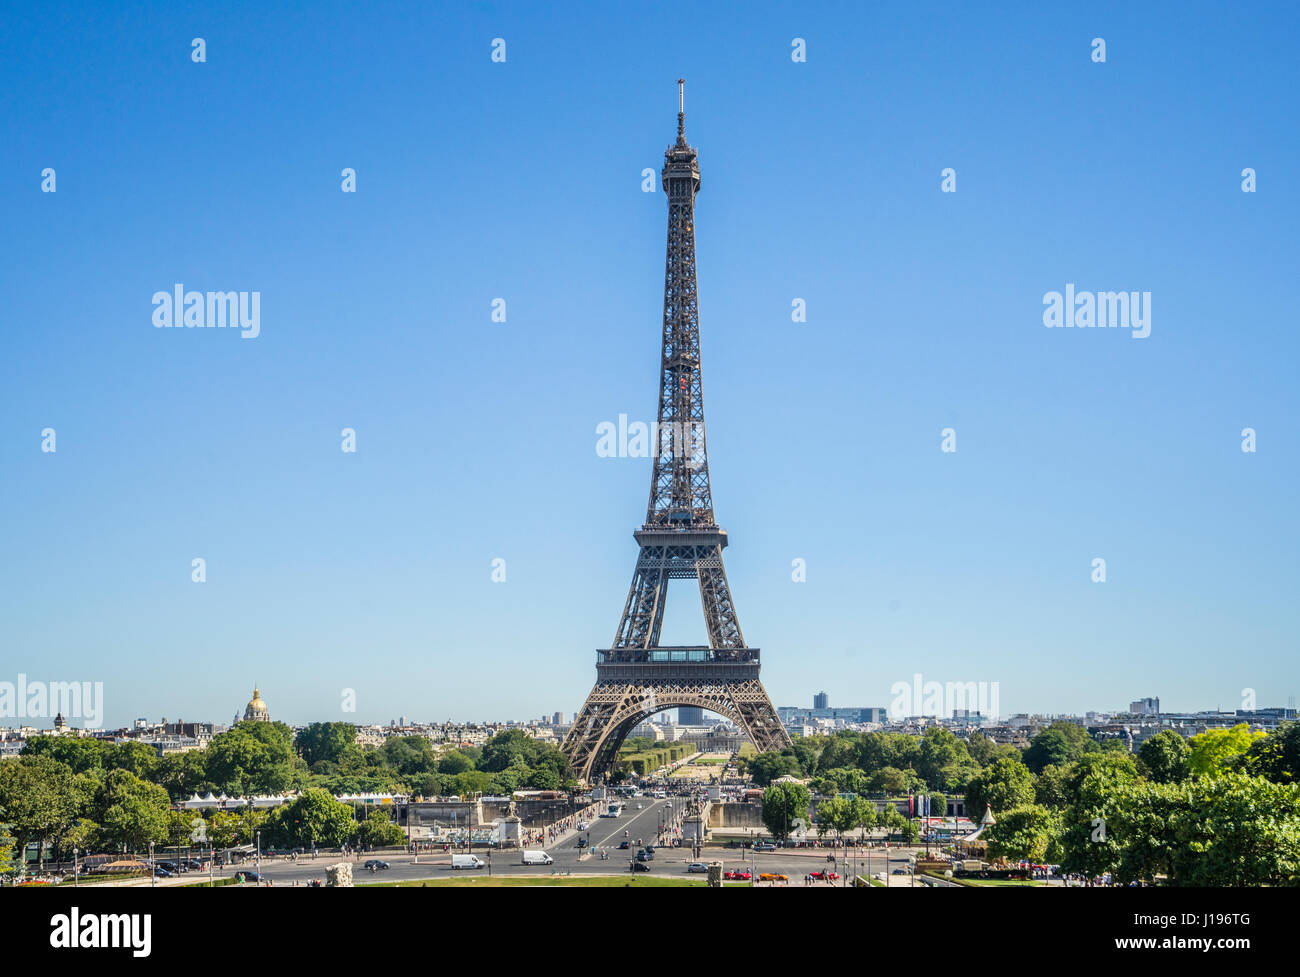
pixel 989 883
pixel 577 881
pixel 102 879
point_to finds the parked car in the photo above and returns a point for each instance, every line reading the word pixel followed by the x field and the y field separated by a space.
pixel 773 877
pixel 697 867
pixel 638 867
pixel 900 871
pixel 739 875
pixel 161 873
pixel 765 846
pixel 826 876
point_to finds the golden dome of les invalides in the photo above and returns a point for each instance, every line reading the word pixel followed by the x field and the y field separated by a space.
pixel 256 710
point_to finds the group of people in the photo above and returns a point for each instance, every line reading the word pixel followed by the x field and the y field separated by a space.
pixel 549 834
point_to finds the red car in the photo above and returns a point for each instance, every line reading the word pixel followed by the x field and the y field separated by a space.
pixel 824 876
pixel 741 876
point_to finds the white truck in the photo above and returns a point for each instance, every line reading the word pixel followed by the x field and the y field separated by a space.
pixel 538 858
pixel 466 862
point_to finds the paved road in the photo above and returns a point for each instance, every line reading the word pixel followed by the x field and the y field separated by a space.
pixel 604 835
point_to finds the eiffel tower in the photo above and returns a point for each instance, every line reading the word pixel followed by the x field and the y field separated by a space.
pixel 637 677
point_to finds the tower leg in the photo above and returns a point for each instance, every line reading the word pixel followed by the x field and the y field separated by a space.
pixel 612 710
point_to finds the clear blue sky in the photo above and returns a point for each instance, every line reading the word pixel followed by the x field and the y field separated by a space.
pixel 476 440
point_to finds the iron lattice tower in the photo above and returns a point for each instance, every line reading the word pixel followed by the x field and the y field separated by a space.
pixel 637 677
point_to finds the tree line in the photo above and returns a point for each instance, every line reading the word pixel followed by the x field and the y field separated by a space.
pixel 65 791
pixel 1222 808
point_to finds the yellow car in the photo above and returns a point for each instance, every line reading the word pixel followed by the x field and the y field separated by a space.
pixel 772 877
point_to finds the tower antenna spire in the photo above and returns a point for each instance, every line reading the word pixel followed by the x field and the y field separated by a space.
pixel 681 111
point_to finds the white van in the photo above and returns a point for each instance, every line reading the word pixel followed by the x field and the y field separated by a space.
pixel 467 861
pixel 538 858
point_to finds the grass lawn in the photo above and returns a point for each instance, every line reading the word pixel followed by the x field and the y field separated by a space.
pixel 103 879
pixel 639 881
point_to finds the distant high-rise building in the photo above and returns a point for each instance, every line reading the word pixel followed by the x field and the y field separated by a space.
pixel 1145 707
pixel 557 719
pixel 690 716
pixel 821 701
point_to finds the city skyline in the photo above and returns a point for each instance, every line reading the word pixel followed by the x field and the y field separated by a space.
pixel 372 572
pixel 546 717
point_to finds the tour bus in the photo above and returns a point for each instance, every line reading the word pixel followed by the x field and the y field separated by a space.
pixel 615 810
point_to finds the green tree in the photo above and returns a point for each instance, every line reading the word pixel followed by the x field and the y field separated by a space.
pixel 6 849
pixel 1022 833
pixel 469 783
pixel 83 835
pixel 1004 784
pixel 78 753
pixel 844 814
pixel 225 829
pixel 1051 788
pixel 894 782
pixel 841 780
pixel 428 785
pixel 767 767
pixel 895 822
pixel 1236 830
pixel 314 818
pixel 1058 744
pixel 841 750
pixel 784 804
pixel 877 751
pixel 828 814
pixel 134 811
pixel 1164 757
pixel 454 762
pixel 38 800
pixel 1098 793
pixel 1277 755
pixel 251 758
pixel 325 741
pixel 1216 750
pixel 409 755
pixel 1228 830
pixel 137 758
pixel 938 805
pixel 379 831
pixel 183 774
pixel 943 761
pixel 505 750
pixel 981 748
